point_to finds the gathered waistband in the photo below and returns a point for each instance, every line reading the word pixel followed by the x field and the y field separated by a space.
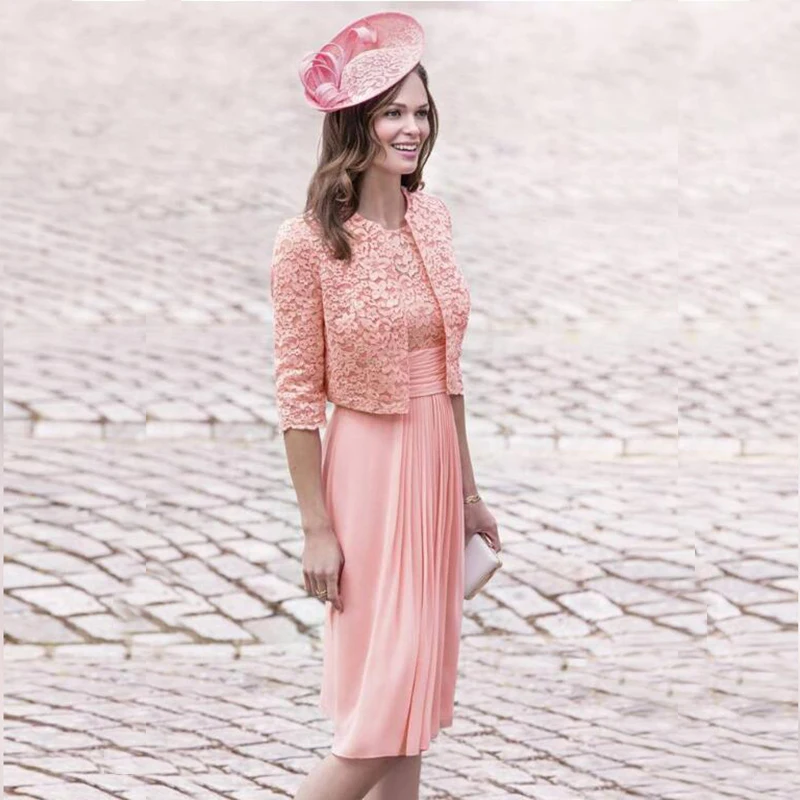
pixel 427 371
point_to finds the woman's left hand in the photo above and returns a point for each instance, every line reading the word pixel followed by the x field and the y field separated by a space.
pixel 477 517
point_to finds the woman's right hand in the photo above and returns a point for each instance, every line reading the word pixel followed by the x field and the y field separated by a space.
pixel 322 561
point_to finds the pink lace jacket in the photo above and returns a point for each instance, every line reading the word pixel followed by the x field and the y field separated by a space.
pixel 340 331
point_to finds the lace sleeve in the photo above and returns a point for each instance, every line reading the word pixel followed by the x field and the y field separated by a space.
pixel 447 218
pixel 298 329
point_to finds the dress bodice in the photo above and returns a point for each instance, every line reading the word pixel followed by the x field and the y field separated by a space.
pixel 425 323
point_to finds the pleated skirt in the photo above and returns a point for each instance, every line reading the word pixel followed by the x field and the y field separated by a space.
pixel 392 485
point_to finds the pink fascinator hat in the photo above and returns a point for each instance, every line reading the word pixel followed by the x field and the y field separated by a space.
pixel 361 61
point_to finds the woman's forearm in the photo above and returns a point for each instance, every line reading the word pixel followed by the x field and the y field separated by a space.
pixel 304 457
pixel 459 413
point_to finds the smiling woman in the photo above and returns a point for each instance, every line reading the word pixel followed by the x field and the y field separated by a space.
pixel 370 311
pixel 364 154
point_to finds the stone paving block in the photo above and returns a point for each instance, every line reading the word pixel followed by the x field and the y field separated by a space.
pixel 47 429
pixel 96 583
pixel 234 567
pixel 15 776
pixel 755 569
pixel 175 411
pixel 143 590
pixel 502 619
pixel 785 613
pixel 273 589
pixel 693 623
pixel 16 576
pixel 241 606
pixel 215 627
pixel 189 652
pixel 23 652
pixel 154 792
pixel 56 562
pixel 563 625
pixel 172 613
pixel 120 413
pixel 257 552
pixel 60 601
pixel 69 791
pixel 523 600
pixel 272 630
pixel 177 430
pixel 309 610
pixel 71 410
pixel 90 652
pixel 590 605
pixel 101 626
pixel 204 552
pixel 746 592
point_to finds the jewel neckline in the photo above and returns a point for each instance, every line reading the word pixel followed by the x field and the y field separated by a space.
pixel 404 225
pixel 373 224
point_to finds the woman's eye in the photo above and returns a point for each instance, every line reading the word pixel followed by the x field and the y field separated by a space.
pixel 394 111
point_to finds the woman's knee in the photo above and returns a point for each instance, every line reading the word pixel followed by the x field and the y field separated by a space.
pixel 376 763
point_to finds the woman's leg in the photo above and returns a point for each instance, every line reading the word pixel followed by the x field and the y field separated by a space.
pixel 400 782
pixel 337 778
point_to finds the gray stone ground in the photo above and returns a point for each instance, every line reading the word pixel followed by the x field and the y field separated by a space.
pixel 623 181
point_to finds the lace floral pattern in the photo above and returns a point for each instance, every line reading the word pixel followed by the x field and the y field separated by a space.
pixel 342 330
pixel 298 328
pixel 423 316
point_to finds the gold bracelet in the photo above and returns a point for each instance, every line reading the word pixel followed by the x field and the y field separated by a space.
pixel 472 498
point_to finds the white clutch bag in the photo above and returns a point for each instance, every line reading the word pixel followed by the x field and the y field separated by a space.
pixel 480 563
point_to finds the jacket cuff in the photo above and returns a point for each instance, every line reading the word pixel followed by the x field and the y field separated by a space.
pixel 303 419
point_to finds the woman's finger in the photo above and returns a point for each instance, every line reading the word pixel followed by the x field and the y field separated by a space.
pixel 317 585
pixel 333 593
pixel 495 540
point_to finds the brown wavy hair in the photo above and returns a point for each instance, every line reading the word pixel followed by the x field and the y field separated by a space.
pixel 348 147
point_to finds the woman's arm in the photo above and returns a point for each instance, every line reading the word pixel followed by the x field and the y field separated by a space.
pixel 299 362
pixel 299 370
pixel 468 476
pixel 477 516
pixel 323 558
pixel 304 458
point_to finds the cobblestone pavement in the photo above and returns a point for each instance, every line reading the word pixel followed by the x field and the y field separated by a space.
pixel 623 182
pixel 157 545
pixel 657 722
pixel 602 396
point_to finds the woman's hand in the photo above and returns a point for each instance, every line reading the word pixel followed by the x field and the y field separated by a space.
pixel 322 562
pixel 477 517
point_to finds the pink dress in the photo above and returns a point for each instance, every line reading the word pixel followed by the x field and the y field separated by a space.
pixel 392 485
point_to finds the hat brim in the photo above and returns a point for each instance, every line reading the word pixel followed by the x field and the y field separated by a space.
pixel 400 44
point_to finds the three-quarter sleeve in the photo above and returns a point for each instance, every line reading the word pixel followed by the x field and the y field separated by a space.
pixel 298 329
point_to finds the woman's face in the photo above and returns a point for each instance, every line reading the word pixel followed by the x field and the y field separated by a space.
pixel 404 122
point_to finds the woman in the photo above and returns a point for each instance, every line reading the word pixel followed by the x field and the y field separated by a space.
pixel 370 311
